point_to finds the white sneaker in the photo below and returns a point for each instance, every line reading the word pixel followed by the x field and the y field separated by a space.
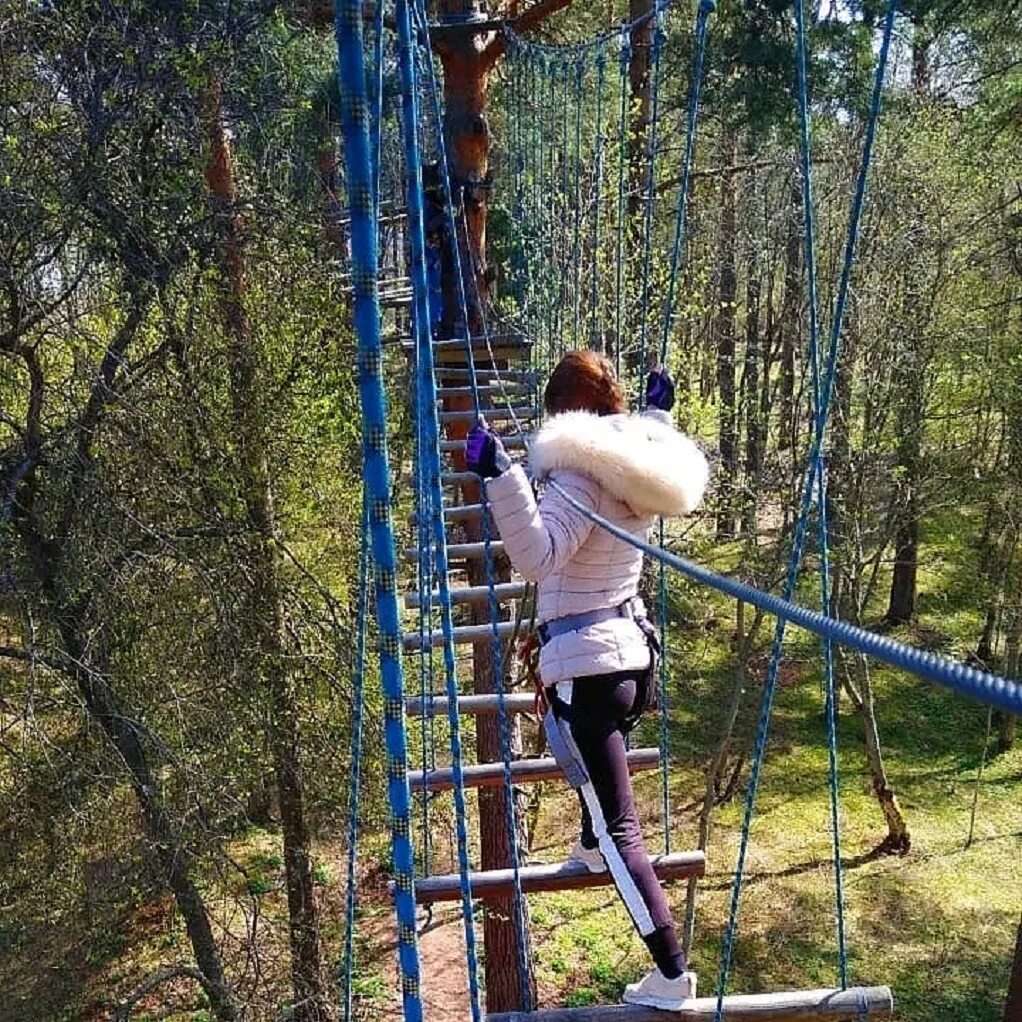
pixel 589 857
pixel 656 991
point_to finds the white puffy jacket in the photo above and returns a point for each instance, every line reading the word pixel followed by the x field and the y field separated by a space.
pixel 626 468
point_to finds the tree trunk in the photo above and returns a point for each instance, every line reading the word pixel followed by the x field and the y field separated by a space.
pixel 1013 1006
pixel 1007 722
pixel 504 981
pixel 791 306
pixel 641 109
pixel 725 331
pixel 898 840
pixel 176 860
pixel 901 606
pixel 265 601
pixel 751 391
pixel 466 65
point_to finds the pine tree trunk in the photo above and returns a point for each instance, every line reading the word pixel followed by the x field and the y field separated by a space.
pixel 1013 1006
pixel 641 108
pixel 751 396
pixel 1007 722
pixel 466 82
pixel 791 306
pixel 725 331
pixel 265 600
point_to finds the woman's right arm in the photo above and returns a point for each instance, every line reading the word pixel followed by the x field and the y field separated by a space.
pixel 541 538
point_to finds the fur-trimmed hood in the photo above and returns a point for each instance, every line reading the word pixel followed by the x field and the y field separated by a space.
pixel 639 459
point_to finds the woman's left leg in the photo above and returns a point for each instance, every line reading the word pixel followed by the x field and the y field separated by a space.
pixel 595 714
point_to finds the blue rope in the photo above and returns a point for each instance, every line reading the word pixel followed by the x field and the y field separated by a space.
pixel 355 124
pixel 427 401
pixel 358 675
pixel 647 256
pixel 706 8
pixel 577 246
pixel 624 59
pixel 1000 692
pixel 812 472
pixel 808 207
pixel 431 432
pixel 597 334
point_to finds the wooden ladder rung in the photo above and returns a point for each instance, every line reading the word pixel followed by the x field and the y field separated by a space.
pixel 558 876
pixel 456 551
pixel 504 591
pixel 463 635
pixel 790 1006
pixel 485 389
pixel 514 443
pixel 523 771
pixel 492 414
pixel 481 705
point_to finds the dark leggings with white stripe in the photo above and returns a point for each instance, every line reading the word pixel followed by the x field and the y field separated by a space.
pixel 596 715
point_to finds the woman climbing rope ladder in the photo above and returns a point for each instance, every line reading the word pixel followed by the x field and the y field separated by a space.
pixel 597 657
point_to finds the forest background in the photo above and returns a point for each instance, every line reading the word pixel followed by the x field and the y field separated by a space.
pixel 180 503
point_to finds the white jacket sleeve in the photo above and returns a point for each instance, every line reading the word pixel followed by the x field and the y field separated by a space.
pixel 541 539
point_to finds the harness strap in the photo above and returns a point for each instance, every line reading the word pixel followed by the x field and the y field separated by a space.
pixel 631 609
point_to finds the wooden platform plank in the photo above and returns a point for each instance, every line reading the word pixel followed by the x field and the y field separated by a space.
pixel 460 551
pixel 789 1006
pixel 514 702
pixel 557 876
pixel 523 771
pixel 504 591
pixel 463 635
pixel 493 413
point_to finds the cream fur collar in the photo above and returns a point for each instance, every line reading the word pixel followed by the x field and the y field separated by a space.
pixel 639 459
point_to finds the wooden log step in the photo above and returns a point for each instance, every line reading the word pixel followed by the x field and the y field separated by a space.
pixel 512 443
pixel 523 771
pixel 492 414
pixel 485 389
pixel 463 635
pixel 458 551
pixel 460 479
pixel 790 1006
pixel 487 375
pixel 485 705
pixel 504 591
pixel 558 876
pixel 457 513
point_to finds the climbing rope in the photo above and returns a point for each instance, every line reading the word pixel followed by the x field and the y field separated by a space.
pixel 814 469
pixel 356 121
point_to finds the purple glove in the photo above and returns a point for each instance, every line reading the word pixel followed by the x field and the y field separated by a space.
pixel 659 390
pixel 484 453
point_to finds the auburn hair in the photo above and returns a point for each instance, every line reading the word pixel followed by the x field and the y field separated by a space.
pixel 584 381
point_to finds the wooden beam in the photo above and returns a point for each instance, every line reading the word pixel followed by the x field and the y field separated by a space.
pixel 523 771
pixel 790 1006
pixel 557 876
pixel 514 702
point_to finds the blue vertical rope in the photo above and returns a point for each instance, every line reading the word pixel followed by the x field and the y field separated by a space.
pixel 597 333
pixel 624 59
pixel 427 402
pixel 647 255
pixel 431 430
pixel 577 246
pixel 808 207
pixel 355 125
pixel 358 675
pixel 807 494
pixel 706 8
